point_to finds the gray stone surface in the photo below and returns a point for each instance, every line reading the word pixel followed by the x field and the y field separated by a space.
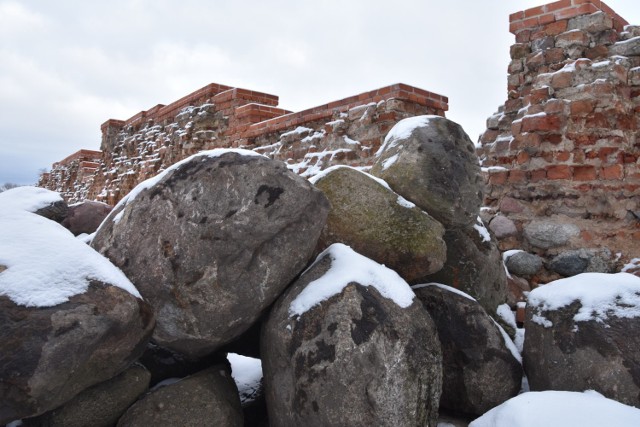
pixel 571 263
pixel 85 217
pixel 213 244
pixel 593 23
pixel 356 359
pixel 50 354
pixel 208 398
pixel 546 234
pixel 473 266
pixel 101 405
pixel 437 169
pixel 479 371
pixel 502 227
pixel 524 264
pixel 629 47
pixel 376 223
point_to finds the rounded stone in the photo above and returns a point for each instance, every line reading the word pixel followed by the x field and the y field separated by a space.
pixel 524 264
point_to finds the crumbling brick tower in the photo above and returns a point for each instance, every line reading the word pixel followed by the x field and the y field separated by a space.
pixel 564 148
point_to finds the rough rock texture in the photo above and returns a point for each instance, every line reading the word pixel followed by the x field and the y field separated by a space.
pixel 209 398
pixel 571 263
pixel 213 243
pixel 473 266
pixel 85 217
pixel 547 234
pixel 479 371
pixel 380 225
pixel 436 168
pixel 564 144
pixel 57 211
pixel 524 264
pixel 502 227
pixel 345 131
pixel 356 359
pixel 577 356
pixel 50 354
pixel 101 405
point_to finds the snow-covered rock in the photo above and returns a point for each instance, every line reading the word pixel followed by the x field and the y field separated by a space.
pixel 70 319
pixel 349 344
pixel 431 161
pixel 581 334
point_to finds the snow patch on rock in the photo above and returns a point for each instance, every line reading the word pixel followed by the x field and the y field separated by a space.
pixel 28 198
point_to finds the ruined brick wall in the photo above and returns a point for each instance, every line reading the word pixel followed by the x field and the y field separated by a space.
pixel 564 148
pixel 347 131
pixel 72 175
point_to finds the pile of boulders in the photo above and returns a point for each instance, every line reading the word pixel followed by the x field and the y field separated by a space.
pixel 331 283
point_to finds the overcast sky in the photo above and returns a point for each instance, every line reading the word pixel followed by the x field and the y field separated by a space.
pixel 67 66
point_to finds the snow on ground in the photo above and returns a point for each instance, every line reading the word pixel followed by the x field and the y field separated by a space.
pixel 348 266
pixel 247 374
pixel 601 296
pixel 46 265
pixel 154 180
pixel 560 409
pixel 28 199
pixel 403 130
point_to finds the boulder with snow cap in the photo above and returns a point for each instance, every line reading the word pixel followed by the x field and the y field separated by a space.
pixel 40 201
pixel 349 344
pixel 474 265
pixel 208 398
pixel 379 224
pixel 69 319
pixel 431 161
pixel 211 243
pixel 582 334
pixel 481 366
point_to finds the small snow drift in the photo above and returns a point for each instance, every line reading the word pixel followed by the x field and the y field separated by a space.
pixel 581 334
pixel 560 408
pixel 43 202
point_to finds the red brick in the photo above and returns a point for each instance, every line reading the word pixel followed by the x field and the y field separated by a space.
pixel 535 11
pixel 523 36
pixel 498 177
pixel 559 172
pixel 563 156
pixel 584 173
pixel 612 172
pixel 522 157
pixel 517 176
pixel 596 120
pixel 582 108
pixel 538 175
pixel 518 16
pixel 542 123
pixel 555 28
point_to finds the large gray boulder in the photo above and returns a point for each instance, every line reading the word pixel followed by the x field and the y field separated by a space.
pixel 208 398
pixel 68 318
pixel 50 354
pixel 212 242
pixel 481 369
pixel 582 335
pixel 349 344
pixel 101 405
pixel 431 161
pixel 379 224
pixel 474 265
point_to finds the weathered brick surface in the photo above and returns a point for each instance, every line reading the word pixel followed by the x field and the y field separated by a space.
pixel 575 134
pixel 347 131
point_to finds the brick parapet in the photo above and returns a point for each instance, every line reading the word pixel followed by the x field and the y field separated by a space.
pixel 345 131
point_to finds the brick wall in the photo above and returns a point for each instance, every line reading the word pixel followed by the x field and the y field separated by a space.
pixel 346 131
pixel 565 146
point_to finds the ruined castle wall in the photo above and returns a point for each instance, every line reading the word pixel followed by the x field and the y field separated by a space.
pixel 347 131
pixel 564 148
